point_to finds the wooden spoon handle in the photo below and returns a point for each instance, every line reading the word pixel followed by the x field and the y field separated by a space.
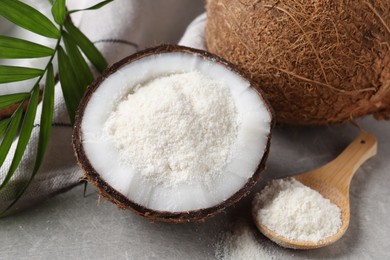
pixel 346 164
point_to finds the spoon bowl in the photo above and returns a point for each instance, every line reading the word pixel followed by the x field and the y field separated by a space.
pixel 332 181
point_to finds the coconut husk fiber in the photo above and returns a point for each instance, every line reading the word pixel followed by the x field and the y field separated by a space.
pixel 318 62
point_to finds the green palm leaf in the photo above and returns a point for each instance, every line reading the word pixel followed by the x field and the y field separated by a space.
pixel 12 74
pixel 97 6
pixel 73 71
pixel 46 117
pixel 3 126
pixel 86 46
pixel 71 88
pixel 58 11
pixel 27 17
pixel 7 100
pixel 84 73
pixel 13 48
pixel 10 134
pixel 25 134
pixel 45 130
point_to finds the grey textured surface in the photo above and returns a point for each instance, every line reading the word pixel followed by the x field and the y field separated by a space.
pixel 70 226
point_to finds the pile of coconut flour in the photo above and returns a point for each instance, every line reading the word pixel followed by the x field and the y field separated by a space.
pixel 176 128
pixel 296 212
pixel 243 242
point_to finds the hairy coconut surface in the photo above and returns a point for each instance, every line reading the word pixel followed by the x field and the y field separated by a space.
pixel 122 200
pixel 318 62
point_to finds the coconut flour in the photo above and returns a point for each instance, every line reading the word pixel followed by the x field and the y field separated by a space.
pixel 296 212
pixel 243 242
pixel 175 128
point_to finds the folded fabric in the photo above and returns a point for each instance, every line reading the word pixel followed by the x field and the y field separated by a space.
pixel 118 30
pixel 194 34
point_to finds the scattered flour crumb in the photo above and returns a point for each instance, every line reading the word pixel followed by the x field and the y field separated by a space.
pixel 296 211
pixel 242 244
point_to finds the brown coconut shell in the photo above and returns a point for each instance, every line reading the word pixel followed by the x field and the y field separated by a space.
pixel 318 62
pixel 122 201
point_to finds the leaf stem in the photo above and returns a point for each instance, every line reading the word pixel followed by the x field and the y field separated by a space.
pixel 50 60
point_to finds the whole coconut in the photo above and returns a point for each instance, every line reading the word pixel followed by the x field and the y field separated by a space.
pixel 318 62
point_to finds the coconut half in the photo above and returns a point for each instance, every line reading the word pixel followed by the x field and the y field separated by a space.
pixel 126 185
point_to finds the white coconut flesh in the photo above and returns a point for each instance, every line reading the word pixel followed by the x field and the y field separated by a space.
pixel 251 118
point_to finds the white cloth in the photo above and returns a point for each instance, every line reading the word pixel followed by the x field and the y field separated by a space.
pixel 118 30
pixel 194 35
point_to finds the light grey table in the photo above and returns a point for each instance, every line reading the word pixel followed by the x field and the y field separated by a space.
pixel 70 226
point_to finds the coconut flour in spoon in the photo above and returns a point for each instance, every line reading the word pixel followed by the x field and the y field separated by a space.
pixel 296 212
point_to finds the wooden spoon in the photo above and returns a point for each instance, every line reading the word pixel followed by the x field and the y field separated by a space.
pixel 332 181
